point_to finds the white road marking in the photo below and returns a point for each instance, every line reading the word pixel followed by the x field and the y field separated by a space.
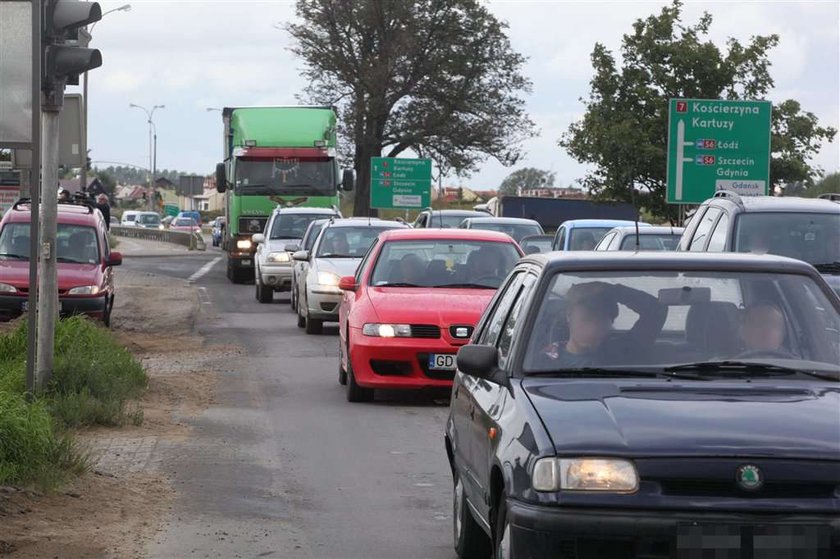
pixel 204 269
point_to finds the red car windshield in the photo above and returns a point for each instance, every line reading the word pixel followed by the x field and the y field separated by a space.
pixel 77 244
pixel 444 263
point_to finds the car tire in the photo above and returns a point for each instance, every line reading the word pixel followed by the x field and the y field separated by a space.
pixel 293 297
pixel 314 326
pixel 342 373
pixel 502 538
pixel 469 539
pixel 356 393
pixel 265 295
pixel 106 317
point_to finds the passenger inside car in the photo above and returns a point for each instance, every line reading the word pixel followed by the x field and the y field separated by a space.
pixel 411 269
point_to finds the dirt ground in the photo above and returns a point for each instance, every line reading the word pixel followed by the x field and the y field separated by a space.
pixel 117 507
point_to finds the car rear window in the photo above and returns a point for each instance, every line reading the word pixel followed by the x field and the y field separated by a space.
pixel 812 237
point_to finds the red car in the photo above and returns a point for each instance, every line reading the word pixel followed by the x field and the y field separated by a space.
pixel 414 300
pixel 84 258
pixel 186 224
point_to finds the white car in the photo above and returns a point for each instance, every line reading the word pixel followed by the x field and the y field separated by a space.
pixel 299 267
pixel 337 252
pixel 272 261
pixel 129 218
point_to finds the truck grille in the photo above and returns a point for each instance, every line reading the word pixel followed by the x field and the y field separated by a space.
pixel 252 224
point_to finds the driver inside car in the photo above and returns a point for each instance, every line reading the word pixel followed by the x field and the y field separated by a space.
pixel 762 328
pixel 591 309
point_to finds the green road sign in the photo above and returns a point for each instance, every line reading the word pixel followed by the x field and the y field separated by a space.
pixel 717 145
pixel 400 183
pixel 169 209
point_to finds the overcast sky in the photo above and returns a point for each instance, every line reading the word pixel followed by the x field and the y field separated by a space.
pixel 191 55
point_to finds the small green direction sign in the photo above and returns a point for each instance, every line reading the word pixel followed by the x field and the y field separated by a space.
pixel 717 145
pixel 400 183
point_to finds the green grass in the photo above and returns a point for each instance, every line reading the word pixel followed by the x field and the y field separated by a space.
pixel 95 382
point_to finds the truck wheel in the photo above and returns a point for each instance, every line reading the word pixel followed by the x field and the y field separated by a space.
pixel 265 294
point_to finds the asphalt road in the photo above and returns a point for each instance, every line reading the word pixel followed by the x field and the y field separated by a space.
pixel 282 465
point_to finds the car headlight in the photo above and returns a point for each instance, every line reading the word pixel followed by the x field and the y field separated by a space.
pixel 387 330
pixel 6 288
pixel 84 290
pixel 328 278
pixel 278 257
pixel 585 474
pixel 161 226
pixel 244 244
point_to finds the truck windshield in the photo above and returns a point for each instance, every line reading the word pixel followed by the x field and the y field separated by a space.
pixel 305 177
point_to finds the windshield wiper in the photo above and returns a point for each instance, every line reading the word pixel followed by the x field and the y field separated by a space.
pixel 328 255
pixel 583 372
pixel 65 260
pixel 828 267
pixel 397 284
pixel 15 256
pixel 711 367
pixel 468 285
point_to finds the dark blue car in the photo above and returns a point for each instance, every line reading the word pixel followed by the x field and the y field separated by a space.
pixel 650 405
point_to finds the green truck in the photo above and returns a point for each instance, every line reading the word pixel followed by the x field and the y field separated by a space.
pixel 274 156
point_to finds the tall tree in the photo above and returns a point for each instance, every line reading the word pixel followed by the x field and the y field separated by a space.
pixel 528 177
pixel 437 77
pixel 623 133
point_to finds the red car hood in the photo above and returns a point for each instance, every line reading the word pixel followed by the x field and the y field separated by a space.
pixel 16 272
pixel 441 306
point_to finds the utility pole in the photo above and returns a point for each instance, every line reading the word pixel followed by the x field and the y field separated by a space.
pixel 152 148
pixel 64 61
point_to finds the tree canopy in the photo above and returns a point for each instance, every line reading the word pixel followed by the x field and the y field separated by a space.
pixel 623 133
pixel 527 177
pixel 436 77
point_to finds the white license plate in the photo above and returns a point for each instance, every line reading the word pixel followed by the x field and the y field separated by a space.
pixel 246 262
pixel 441 362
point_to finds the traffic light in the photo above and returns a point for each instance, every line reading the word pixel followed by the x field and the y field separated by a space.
pixel 64 58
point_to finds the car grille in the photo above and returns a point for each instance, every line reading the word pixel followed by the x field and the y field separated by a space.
pixel 425 331
pixel 770 490
pixel 390 368
pixel 252 224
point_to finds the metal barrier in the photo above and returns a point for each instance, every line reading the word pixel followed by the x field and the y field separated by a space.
pixel 193 241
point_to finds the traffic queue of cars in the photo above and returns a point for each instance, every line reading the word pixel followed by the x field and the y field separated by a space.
pixel 614 398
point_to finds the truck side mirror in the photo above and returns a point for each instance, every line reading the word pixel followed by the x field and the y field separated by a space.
pixel 347 180
pixel 221 178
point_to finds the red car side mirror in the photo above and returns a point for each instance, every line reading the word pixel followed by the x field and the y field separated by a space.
pixel 347 283
pixel 115 259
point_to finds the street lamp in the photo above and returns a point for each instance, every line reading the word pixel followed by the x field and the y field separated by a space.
pixel 152 147
pixel 83 174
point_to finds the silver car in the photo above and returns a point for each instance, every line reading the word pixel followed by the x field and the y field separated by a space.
pixel 337 252
pixel 300 267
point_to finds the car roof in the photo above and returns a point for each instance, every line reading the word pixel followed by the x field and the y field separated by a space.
pixel 534 237
pixel 504 220
pixel 672 261
pixel 70 214
pixel 445 234
pixel 465 213
pixel 572 223
pixel 777 204
pixel 372 222
pixel 296 210
pixel 650 230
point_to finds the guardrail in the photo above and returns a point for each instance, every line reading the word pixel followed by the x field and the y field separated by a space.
pixel 193 241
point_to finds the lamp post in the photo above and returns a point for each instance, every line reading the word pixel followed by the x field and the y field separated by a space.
pixel 83 174
pixel 152 148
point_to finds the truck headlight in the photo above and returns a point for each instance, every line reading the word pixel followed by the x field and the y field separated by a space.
pixel 278 257
pixel 387 330
pixel 243 244
pixel 585 474
pixel 328 278
pixel 6 288
pixel 84 290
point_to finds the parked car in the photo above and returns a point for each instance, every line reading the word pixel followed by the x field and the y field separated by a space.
pixel 413 301
pixel 217 230
pixel 272 260
pixel 196 216
pixel 299 267
pixel 148 220
pixel 128 218
pixel 444 219
pixel 634 404
pixel 803 228
pixel 187 224
pixel 649 238
pixel 584 234
pixel 533 244
pixel 515 227
pixel 337 251
pixel 84 259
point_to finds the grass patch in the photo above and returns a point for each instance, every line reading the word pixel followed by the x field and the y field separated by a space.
pixel 113 240
pixel 95 381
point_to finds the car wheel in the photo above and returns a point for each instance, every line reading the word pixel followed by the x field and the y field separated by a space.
pixel 502 545
pixel 356 393
pixel 293 297
pixel 470 540
pixel 106 318
pixel 342 373
pixel 314 326
pixel 265 294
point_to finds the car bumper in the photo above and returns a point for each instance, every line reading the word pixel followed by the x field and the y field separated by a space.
pixel 322 302
pixel 574 533
pixel 278 277
pixel 12 306
pixel 398 363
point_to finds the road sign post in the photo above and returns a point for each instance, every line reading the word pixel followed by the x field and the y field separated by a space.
pixel 717 145
pixel 400 183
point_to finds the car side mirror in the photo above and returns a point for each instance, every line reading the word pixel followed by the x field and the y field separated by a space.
pixel 257 238
pixel 347 283
pixel 115 259
pixel 221 178
pixel 301 256
pixel 481 361
pixel 292 247
pixel 347 180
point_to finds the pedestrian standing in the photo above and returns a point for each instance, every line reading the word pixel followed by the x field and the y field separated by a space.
pixel 102 206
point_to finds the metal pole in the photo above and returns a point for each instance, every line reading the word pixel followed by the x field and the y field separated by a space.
pixel 48 277
pixel 83 172
pixel 151 172
pixel 34 196
pixel 154 163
